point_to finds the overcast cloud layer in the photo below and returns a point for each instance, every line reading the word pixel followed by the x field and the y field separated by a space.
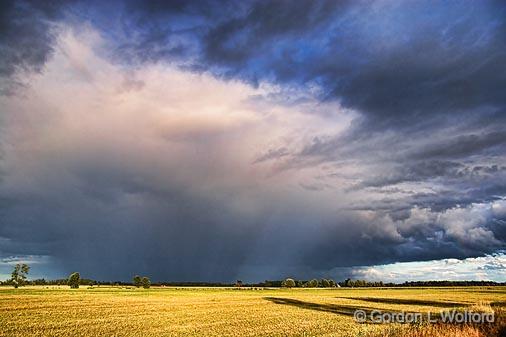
pixel 212 141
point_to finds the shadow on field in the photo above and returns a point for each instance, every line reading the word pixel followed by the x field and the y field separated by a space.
pixel 501 291
pixel 347 310
pixel 407 301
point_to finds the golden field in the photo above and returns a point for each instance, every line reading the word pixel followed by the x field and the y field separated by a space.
pixel 126 311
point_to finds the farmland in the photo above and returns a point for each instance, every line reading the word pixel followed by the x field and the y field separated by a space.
pixel 127 311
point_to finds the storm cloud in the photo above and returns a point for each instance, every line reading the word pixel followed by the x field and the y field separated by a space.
pixel 213 141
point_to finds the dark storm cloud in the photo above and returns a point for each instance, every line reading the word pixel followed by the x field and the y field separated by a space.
pixel 394 62
pixel 26 37
pixel 421 166
pixel 237 41
pixel 419 171
pixel 127 225
pixel 391 61
pixel 152 31
pixel 463 146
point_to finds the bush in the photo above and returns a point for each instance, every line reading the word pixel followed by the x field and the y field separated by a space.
pixel 73 280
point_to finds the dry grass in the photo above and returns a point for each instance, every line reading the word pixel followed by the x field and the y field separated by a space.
pixel 102 311
pixel 496 329
pixel 481 306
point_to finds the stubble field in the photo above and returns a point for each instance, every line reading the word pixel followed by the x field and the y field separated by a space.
pixel 124 311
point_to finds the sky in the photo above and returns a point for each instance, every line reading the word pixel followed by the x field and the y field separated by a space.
pixel 223 140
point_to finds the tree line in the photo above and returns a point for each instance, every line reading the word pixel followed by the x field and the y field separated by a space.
pixel 20 273
pixel 349 283
pixel 292 283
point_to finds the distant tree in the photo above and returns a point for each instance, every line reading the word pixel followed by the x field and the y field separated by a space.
pixel 146 283
pixel 288 283
pixel 73 280
pixel 348 283
pixel 18 275
pixel 238 283
pixel 332 283
pixel 360 283
pixel 325 283
pixel 137 281
pixel 311 284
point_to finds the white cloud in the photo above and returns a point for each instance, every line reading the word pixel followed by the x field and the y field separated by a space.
pixel 155 121
pixel 489 267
